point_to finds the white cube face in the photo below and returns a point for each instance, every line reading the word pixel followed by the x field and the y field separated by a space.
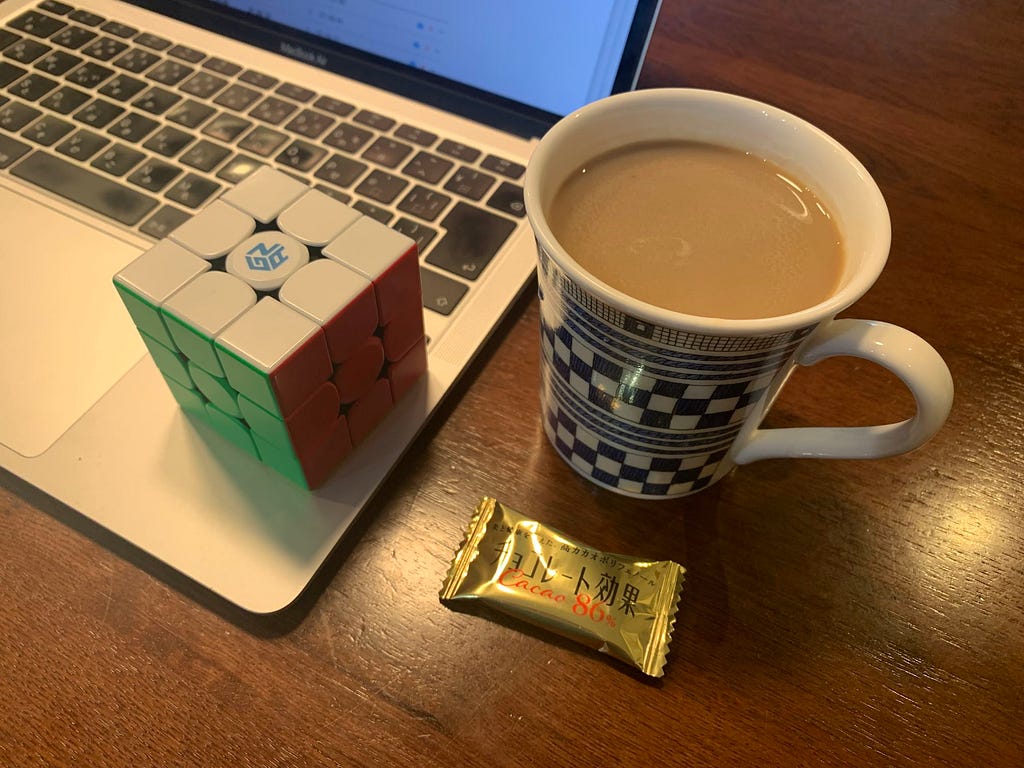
pixel 322 288
pixel 265 194
pixel 267 334
pixel 161 271
pixel 215 230
pixel 316 219
pixel 211 301
pixel 368 247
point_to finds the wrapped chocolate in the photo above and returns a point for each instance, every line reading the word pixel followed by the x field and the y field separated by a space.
pixel 622 606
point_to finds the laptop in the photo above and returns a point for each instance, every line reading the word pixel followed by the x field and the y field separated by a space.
pixel 119 121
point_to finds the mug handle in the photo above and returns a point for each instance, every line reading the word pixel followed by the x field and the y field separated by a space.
pixel 907 355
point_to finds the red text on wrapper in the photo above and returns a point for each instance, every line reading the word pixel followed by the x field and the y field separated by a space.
pixel 511 577
pixel 584 607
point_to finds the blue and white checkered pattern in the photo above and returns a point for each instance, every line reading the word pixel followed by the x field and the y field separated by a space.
pixel 629 472
pixel 645 410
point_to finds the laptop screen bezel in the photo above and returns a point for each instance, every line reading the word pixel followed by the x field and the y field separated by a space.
pixel 472 103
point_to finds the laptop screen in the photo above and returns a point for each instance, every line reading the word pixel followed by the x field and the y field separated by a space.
pixel 519 66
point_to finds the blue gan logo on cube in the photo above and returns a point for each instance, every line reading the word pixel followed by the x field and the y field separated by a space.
pixel 268 258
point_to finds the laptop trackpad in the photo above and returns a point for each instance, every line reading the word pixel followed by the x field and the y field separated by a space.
pixel 65 336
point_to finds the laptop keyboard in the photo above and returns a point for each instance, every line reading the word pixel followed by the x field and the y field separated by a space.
pixel 144 132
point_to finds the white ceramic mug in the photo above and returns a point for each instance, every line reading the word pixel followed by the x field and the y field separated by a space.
pixel 654 403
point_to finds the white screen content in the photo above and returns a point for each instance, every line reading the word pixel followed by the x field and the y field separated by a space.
pixel 555 56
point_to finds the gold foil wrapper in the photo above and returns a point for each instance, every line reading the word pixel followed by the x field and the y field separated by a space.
pixel 620 605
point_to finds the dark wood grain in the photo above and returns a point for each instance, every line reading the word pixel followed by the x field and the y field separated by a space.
pixel 835 613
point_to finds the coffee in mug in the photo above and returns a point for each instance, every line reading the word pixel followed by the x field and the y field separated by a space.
pixel 700 229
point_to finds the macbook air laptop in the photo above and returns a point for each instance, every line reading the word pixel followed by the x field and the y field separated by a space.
pixel 118 121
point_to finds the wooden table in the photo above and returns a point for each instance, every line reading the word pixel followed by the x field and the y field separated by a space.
pixel 839 613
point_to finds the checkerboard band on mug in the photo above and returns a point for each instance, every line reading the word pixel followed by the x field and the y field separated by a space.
pixel 656 404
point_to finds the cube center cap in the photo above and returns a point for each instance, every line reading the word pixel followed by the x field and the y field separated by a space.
pixel 265 260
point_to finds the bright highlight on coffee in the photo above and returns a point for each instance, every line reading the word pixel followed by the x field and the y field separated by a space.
pixel 700 229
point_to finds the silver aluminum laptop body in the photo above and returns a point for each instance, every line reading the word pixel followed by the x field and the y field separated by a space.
pixel 84 413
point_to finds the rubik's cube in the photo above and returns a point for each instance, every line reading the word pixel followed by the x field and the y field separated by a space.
pixel 288 321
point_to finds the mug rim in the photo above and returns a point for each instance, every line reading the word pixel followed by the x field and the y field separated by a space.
pixel 549 144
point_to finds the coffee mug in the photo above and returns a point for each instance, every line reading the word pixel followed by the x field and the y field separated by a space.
pixel 653 403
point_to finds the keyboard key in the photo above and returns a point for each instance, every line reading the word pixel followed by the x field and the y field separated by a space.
pixel 11 150
pixel 152 41
pixel 73 37
pixel 14 116
pixel 458 151
pixel 168 141
pixel 502 166
pixel 7 37
pixel 470 183
pixel 310 124
pixel 65 100
pixel 85 187
pixel 383 215
pixel 118 29
pixel 421 233
pixel 122 87
pixel 36 23
pixel 334 106
pixel 48 130
pixel 472 240
pixel 164 221
pixel 192 191
pixel 301 155
pixel 374 120
pixel 86 18
pixel 424 203
pixel 226 127
pixel 238 168
pixel 427 167
pixel 183 52
pixel 156 100
pixel 337 194
pixel 154 175
pixel 387 152
pixel 440 293
pixel 118 160
pixel 33 87
pixel 272 110
pixel 415 135
pixel 203 85
pixel 26 51
pixel 237 97
pixel 169 72
pixel 340 170
pixel 205 156
pixel 296 92
pixel 347 137
pixel 381 186
pixel 54 7
pixel 508 198
pixel 104 49
pixel 57 62
pixel 263 141
pixel 98 113
pixel 83 145
pixel 10 72
pixel 222 67
pixel 190 113
pixel 258 79
pixel 133 127
pixel 89 75
pixel 136 60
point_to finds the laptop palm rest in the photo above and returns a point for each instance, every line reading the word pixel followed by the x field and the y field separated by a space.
pixel 58 286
